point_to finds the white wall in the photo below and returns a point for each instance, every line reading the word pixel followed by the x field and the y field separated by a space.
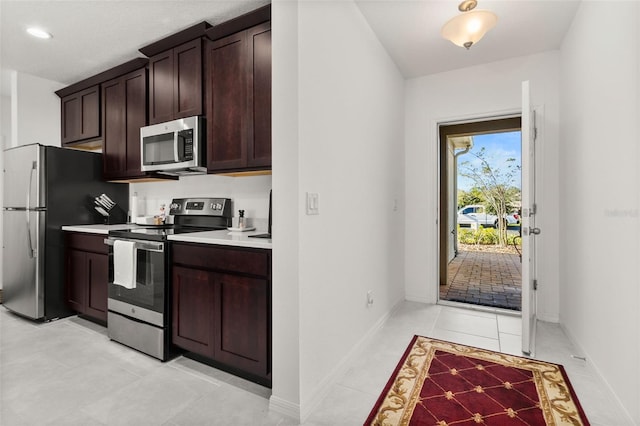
pixel 287 207
pixel 5 121
pixel 5 138
pixel 35 113
pixel 468 94
pixel 599 192
pixel 350 152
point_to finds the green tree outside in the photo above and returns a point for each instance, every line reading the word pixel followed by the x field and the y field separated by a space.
pixel 493 187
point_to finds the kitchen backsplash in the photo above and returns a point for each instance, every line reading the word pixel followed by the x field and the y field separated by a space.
pixel 249 193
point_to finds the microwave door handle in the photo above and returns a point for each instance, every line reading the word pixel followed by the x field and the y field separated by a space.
pixel 176 138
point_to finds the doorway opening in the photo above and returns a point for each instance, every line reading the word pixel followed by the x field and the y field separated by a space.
pixel 480 206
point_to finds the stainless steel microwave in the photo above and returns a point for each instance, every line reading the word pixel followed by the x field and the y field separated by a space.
pixel 174 147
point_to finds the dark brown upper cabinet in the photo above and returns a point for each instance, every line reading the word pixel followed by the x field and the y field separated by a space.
pixel 175 83
pixel 81 105
pixel 124 111
pixel 81 115
pixel 238 101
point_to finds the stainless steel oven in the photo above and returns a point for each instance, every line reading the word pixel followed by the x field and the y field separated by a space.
pixel 148 294
pixel 137 313
pixel 139 298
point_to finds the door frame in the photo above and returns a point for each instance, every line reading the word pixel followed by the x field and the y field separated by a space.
pixel 468 127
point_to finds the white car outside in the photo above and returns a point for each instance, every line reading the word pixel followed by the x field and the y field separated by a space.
pixel 476 214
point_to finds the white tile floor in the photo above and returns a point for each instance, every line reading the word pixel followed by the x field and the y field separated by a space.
pixel 68 373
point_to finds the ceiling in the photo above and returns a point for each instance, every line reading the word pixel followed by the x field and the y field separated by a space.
pixel 410 31
pixel 92 36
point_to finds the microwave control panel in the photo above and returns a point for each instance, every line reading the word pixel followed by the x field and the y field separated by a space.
pixel 185 140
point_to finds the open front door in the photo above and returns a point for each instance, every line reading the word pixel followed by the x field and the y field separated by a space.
pixel 528 222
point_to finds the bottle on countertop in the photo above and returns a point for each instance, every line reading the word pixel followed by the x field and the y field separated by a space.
pixel 240 219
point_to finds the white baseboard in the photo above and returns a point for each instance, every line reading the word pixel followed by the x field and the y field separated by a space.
pixel 420 299
pixel 548 318
pixel 597 372
pixel 324 387
pixel 282 406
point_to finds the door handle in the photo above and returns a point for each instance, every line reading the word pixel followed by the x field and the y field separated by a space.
pixel 534 231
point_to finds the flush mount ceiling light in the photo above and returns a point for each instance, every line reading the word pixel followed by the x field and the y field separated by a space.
pixel 38 32
pixel 470 26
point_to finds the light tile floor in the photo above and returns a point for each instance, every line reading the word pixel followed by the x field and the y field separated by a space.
pixel 67 372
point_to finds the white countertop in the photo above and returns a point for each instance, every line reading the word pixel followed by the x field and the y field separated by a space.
pixel 224 237
pixel 97 228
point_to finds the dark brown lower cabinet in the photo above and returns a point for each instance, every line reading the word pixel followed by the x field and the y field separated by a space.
pixel 193 294
pixel 240 339
pixel 221 307
pixel 87 274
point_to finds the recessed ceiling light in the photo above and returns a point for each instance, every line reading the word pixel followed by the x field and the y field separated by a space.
pixel 38 32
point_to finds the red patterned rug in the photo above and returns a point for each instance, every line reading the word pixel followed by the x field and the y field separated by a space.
pixel 444 384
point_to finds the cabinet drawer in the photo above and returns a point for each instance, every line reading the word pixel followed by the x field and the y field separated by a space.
pixel 231 259
pixel 86 242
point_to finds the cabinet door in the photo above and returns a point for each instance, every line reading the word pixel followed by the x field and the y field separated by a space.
pixel 75 283
pixel 187 79
pixel 124 111
pixel 135 94
pixel 259 92
pixel 71 118
pixel 114 148
pixel 161 87
pixel 97 279
pixel 175 83
pixel 227 102
pixel 242 323
pixel 192 310
pixel 81 115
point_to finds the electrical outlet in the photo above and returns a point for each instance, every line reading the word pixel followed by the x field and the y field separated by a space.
pixel 370 298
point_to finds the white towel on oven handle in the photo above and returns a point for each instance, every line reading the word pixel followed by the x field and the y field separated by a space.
pixel 124 263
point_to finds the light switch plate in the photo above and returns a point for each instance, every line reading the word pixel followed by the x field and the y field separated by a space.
pixel 312 203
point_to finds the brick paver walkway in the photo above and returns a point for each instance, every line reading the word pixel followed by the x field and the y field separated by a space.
pixel 484 278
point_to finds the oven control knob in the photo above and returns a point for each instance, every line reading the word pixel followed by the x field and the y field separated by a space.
pixel 174 206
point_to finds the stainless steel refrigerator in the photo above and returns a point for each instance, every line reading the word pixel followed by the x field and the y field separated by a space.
pixel 45 188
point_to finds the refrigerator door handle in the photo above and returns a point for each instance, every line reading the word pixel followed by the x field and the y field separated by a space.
pixel 34 167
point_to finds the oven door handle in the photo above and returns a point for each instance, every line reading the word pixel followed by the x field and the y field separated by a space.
pixel 139 245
